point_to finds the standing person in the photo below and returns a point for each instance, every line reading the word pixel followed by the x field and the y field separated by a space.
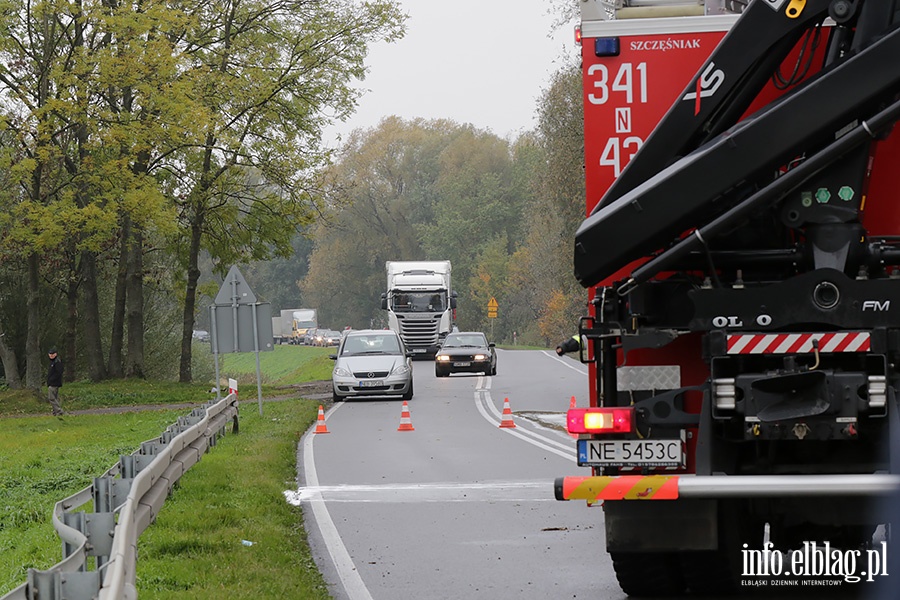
pixel 54 382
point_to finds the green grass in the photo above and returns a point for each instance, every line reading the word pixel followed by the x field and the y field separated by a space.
pixel 234 493
pixel 42 461
pixel 283 366
pixel 195 550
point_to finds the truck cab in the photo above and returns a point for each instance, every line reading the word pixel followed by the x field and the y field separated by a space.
pixel 420 303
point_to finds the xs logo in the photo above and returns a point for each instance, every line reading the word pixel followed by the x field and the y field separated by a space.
pixel 707 84
pixel 876 305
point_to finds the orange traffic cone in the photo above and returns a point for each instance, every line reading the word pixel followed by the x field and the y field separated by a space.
pixel 507 415
pixel 320 423
pixel 405 422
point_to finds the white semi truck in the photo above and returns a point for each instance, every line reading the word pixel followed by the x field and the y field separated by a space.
pixel 420 302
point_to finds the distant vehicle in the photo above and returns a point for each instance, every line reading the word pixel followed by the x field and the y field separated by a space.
pixel 291 326
pixel 421 304
pixel 302 320
pixel 201 335
pixel 328 337
pixel 309 338
pixel 371 363
pixel 466 352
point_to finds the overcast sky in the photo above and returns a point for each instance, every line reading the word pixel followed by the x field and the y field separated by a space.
pixel 482 62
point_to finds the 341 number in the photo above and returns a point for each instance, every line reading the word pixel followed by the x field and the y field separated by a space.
pixel 624 81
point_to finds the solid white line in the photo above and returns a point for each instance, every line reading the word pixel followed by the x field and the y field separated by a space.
pixel 567 363
pixel 349 576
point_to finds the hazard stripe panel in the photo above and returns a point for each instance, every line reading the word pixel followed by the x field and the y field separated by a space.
pixel 625 487
pixel 798 343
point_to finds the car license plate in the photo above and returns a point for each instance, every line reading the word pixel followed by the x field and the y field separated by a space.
pixel 462 364
pixel 631 453
pixel 418 350
pixel 370 383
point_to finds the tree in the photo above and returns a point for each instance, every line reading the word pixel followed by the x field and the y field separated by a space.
pixel 541 269
pixel 411 190
pixel 267 72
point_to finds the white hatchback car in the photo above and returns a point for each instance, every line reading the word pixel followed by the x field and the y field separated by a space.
pixel 371 362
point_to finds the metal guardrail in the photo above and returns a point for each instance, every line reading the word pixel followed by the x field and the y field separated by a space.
pixel 126 500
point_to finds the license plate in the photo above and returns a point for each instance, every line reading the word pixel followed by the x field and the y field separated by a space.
pixel 418 350
pixel 631 453
pixel 370 383
pixel 462 364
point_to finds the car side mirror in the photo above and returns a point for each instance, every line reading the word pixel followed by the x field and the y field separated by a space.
pixel 332 356
pixel 383 301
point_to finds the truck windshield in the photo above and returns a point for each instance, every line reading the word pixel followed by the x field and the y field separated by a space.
pixel 419 302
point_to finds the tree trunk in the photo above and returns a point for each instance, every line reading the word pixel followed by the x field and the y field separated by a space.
pixel 190 302
pixel 93 344
pixel 10 364
pixel 134 281
pixel 33 364
pixel 115 369
pixel 71 341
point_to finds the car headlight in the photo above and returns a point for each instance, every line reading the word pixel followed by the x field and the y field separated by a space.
pixel 442 357
pixel 479 357
pixel 341 372
pixel 400 370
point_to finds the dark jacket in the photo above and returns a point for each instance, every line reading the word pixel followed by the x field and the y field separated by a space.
pixel 55 374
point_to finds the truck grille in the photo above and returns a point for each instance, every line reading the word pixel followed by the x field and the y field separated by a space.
pixel 419 333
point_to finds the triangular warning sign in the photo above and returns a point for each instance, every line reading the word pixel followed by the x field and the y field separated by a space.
pixel 235 286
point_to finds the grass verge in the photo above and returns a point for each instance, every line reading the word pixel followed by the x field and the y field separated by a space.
pixel 195 550
pixel 42 461
pixel 285 366
pixel 234 493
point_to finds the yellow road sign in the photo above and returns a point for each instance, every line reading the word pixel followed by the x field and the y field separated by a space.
pixel 492 304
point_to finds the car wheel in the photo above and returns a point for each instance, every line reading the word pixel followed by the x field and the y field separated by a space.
pixel 409 393
pixel 439 373
pixel 335 397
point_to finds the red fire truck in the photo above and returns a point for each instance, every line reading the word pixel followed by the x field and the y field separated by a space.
pixel 741 252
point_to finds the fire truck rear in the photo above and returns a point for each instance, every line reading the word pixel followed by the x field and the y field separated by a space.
pixel 741 255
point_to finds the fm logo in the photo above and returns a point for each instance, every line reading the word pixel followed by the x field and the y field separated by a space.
pixel 876 305
pixel 707 84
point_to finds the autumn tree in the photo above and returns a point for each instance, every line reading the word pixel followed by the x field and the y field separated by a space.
pixel 270 75
pixel 542 266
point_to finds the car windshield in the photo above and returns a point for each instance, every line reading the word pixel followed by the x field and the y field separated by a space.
pixel 464 341
pixel 370 344
pixel 418 302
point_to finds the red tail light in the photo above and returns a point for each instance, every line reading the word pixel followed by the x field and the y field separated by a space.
pixel 600 420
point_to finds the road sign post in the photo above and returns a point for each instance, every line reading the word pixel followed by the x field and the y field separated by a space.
pixel 240 323
pixel 492 313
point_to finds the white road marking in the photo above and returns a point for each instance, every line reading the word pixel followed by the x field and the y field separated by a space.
pixel 484 404
pixel 313 493
pixel 567 363
pixel 493 491
pixel 347 573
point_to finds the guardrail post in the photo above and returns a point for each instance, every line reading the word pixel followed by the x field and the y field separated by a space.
pixel 55 585
pixel 110 493
pixel 98 528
